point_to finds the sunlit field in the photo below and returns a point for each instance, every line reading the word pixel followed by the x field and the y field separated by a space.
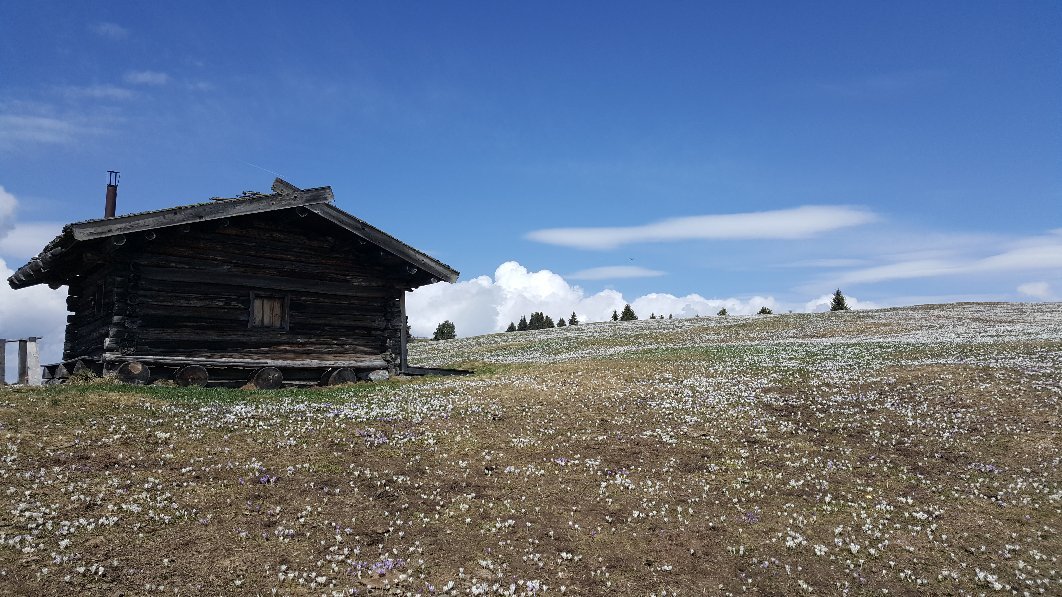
pixel 901 451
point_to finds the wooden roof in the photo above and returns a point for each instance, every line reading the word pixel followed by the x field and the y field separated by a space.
pixel 39 270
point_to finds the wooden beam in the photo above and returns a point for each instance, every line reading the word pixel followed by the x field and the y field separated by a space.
pixel 263 282
pixel 368 363
pixel 402 362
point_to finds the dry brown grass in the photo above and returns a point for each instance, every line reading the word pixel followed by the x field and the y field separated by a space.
pixel 833 468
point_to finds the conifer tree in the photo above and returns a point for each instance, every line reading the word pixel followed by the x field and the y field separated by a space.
pixel 561 323
pixel 445 331
pixel 522 326
pixel 652 316
pixel 615 316
pixel 547 322
pixel 669 316
pixel 838 304
pixel 511 328
pixel 722 312
pixel 573 320
pixel 764 311
pixel 628 314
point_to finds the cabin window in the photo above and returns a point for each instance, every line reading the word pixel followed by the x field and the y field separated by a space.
pixel 268 311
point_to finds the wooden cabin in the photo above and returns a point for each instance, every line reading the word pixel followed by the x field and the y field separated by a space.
pixel 285 283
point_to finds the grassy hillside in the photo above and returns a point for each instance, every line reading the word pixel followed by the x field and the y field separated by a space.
pixel 897 451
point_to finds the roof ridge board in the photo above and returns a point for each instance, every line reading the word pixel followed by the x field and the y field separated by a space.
pixel 199 212
pixel 213 201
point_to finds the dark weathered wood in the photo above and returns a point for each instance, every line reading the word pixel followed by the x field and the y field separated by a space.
pixel 191 375
pixel 190 294
pixel 365 363
pixel 197 213
pixel 134 372
pixel 342 375
pixel 267 378
pixel 385 241
pixel 253 281
pixel 402 355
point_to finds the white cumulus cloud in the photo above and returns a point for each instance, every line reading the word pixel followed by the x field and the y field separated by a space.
pixel 34 311
pixel 485 305
pixel 797 223
pixel 1040 290
pixel 25 239
pixel 695 305
pixel 823 303
pixel 8 203
pixel 21 240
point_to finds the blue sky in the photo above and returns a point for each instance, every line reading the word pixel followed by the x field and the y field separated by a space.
pixel 905 151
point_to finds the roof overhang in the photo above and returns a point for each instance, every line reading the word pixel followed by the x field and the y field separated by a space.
pixel 385 241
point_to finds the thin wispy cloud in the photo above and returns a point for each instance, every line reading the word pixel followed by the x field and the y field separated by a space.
pixel 615 272
pixel 146 77
pixel 103 92
pixel 16 129
pixel 889 83
pixel 789 224
pixel 822 263
pixel 199 86
pixel 109 30
pixel 1041 253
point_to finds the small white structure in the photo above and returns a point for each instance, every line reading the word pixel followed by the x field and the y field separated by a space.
pixel 29 361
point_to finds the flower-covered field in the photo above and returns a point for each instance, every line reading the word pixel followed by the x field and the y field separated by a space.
pixel 900 451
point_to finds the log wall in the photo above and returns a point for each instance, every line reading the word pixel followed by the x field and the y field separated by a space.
pixel 89 318
pixel 186 291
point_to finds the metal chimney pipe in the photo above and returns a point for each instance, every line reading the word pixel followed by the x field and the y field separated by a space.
pixel 112 194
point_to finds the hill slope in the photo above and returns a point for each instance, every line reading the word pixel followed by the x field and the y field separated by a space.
pixel 908 450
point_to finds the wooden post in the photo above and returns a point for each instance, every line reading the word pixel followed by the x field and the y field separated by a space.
pixel 29 362
pixel 402 346
pixel 3 362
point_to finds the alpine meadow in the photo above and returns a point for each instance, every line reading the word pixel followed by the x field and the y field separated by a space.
pixel 898 451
